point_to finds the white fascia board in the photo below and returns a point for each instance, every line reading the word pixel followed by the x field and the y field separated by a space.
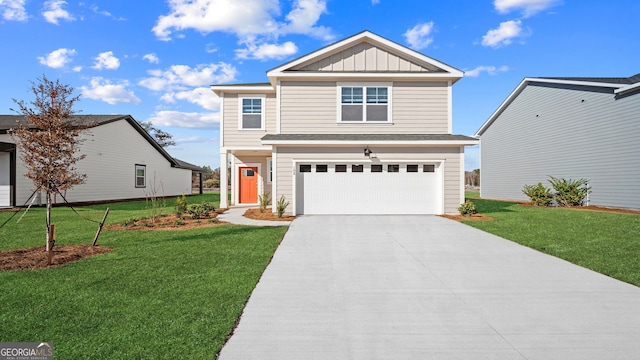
pixel 627 88
pixel 245 148
pixel 321 143
pixel 524 84
pixel 327 75
pixel 218 89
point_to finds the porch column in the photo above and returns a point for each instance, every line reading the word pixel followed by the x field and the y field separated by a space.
pixel 224 195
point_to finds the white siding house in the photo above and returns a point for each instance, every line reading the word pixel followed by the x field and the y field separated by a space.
pixel 571 128
pixel 122 162
pixel 362 126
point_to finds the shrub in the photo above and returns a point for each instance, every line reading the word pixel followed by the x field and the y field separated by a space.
pixel 209 183
pixel 570 192
pixel 468 208
pixel 199 211
pixel 281 206
pixel 180 205
pixel 539 194
pixel 265 200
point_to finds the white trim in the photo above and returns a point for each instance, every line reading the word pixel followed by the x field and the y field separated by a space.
pixel 263 105
pixel 449 108
pixel 364 85
pixel 241 88
pixel 627 88
pixel 462 171
pixel 274 181
pixel 233 180
pixel 247 148
pixel 374 39
pixel 221 117
pixel 224 191
pixel 278 101
pixel 371 142
pixel 236 168
pixel 269 170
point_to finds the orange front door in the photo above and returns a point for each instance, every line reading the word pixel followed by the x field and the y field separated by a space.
pixel 248 185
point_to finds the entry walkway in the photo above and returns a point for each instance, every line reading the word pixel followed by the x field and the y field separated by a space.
pixel 235 216
pixel 425 287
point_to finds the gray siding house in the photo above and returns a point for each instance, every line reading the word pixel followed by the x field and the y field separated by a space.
pixel 565 127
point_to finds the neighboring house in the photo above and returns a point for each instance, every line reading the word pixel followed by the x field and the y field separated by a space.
pixel 362 126
pixel 569 128
pixel 122 162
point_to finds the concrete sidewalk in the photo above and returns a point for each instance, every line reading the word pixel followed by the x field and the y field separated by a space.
pixel 425 287
pixel 235 216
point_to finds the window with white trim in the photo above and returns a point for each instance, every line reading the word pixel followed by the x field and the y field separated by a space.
pixel 251 113
pixel 141 176
pixel 270 170
pixel 365 103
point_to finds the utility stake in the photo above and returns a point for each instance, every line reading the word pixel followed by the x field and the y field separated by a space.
pixel 52 234
pixel 95 239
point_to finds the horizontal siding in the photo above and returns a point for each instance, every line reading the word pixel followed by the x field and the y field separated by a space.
pixel 112 150
pixel 286 155
pixel 312 108
pixel 235 137
pixel 565 131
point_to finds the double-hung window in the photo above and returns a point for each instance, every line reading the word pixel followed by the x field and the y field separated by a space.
pixel 141 176
pixel 251 113
pixel 365 103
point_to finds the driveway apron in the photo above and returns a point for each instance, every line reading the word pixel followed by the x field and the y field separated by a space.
pixel 425 287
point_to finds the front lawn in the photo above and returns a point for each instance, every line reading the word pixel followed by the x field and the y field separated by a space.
pixel 159 294
pixel 604 242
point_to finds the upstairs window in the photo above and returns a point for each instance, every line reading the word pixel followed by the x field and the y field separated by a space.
pixel 364 104
pixel 251 113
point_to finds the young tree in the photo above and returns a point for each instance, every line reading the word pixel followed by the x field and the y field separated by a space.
pixel 163 139
pixel 49 140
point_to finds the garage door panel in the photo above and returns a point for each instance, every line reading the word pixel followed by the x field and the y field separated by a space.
pixel 367 193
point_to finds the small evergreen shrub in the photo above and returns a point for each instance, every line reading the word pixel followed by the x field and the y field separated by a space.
pixel 264 200
pixel 180 206
pixel 539 194
pixel 281 206
pixel 570 192
pixel 201 210
pixel 209 183
pixel 468 208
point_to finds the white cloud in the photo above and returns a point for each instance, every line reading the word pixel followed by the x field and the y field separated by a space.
pixel 503 35
pixel 375 2
pixel 182 76
pixel 528 7
pixel 77 68
pixel 54 11
pixel 239 17
pixel 13 10
pixel 491 70
pixel 419 36
pixel 196 140
pixel 202 96
pixel 57 58
pixel 106 60
pixel 302 18
pixel 152 58
pixel 104 90
pixel 206 120
pixel 267 51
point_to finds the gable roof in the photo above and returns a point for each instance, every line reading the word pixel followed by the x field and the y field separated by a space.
pixel 415 63
pixel 11 121
pixel 618 85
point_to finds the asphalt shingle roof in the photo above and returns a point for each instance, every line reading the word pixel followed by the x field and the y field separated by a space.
pixel 624 81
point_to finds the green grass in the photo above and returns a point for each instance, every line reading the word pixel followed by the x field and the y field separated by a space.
pixel 604 242
pixel 160 294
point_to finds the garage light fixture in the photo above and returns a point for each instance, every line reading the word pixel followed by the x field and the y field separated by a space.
pixel 367 152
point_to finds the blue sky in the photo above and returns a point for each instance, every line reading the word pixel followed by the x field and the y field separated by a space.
pixel 155 60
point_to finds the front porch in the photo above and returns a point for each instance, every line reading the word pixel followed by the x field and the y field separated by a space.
pixel 249 172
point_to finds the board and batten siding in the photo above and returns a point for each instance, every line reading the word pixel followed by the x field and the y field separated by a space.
pixel 285 157
pixel 565 131
pixel 312 108
pixel 112 150
pixel 233 136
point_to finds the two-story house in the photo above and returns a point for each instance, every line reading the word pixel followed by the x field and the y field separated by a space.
pixel 362 126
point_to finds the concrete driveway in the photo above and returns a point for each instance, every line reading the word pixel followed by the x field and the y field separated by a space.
pixel 424 287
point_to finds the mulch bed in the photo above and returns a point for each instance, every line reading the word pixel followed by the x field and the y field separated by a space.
pixel 36 257
pixel 479 217
pixel 170 222
pixel 266 215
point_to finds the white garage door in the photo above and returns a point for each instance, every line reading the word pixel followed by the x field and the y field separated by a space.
pixel 412 188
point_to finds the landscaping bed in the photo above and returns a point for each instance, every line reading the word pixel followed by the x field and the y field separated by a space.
pixel 267 214
pixel 36 257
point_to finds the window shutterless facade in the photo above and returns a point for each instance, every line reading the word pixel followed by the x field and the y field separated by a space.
pixel 141 176
pixel 364 103
pixel 251 115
